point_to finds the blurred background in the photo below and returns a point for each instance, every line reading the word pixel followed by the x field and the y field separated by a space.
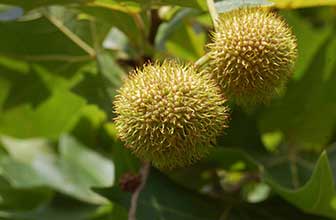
pixel 61 63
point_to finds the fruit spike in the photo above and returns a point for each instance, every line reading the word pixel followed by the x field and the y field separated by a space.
pixel 168 114
pixel 252 54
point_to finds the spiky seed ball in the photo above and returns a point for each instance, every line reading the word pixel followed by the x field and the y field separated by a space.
pixel 169 115
pixel 252 54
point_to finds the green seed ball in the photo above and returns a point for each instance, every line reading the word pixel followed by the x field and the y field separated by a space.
pixel 252 55
pixel 169 115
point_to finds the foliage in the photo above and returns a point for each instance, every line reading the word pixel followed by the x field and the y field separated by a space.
pixel 61 63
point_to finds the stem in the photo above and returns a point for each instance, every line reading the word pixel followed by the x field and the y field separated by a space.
pixel 202 61
pixel 144 172
pixel 93 30
pixel 293 165
pixel 212 11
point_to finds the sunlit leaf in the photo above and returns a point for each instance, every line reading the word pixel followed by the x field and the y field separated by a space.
pixel 74 172
pixel 317 194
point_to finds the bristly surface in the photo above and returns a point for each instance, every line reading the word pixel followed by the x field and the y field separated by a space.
pixel 168 114
pixel 252 55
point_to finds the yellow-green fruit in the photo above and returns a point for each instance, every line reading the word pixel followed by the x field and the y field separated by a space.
pixel 169 115
pixel 252 54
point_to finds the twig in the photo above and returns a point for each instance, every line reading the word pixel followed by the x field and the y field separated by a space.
pixel 144 172
pixel 292 156
pixel 202 61
pixel 93 30
pixel 140 24
pixel 212 11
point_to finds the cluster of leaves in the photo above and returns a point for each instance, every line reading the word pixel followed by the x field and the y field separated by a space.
pixel 61 62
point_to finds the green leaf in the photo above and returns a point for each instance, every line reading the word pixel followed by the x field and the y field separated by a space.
pixel 186 43
pixel 118 5
pixel 193 177
pixel 229 5
pixel 306 114
pixel 180 39
pixel 74 172
pixel 22 199
pixel 306 33
pixel 8 13
pixel 38 3
pixel 112 75
pixel 168 28
pixel 123 159
pixel 56 115
pixel 5 89
pixel 113 18
pixel 199 4
pixel 38 35
pixel 67 209
pixel 163 199
pixel 99 87
pixel 27 88
pixel 302 3
pixel 316 195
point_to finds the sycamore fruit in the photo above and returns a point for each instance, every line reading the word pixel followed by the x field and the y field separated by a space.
pixel 252 54
pixel 169 115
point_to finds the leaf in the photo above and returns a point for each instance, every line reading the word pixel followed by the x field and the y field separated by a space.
pixel 66 209
pixel 99 133
pixel 219 159
pixel 181 39
pixel 186 43
pixel 45 53
pixel 56 115
pixel 32 39
pixel 316 195
pixel 302 3
pixel 27 88
pixel 118 5
pixel 112 75
pixel 168 28
pixel 113 18
pixel 123 159
pixel 74 172
pixel 22 199
pixel 5 89
pixel 274 208
pixel 306 114
pixel 99 86
pixel 59 208
pixel 229 5
pixel 199 4
pixel 95 170
pixel 305 33
pixel 161 199
pixel 8 13
pixel 38 3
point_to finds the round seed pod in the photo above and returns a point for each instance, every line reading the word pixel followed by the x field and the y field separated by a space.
pixel 169 115
pixel 252 54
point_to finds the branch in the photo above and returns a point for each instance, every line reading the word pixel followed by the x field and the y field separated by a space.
pixel 144 172
pixel 202 61
pixel 292 156
pixel 155 24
